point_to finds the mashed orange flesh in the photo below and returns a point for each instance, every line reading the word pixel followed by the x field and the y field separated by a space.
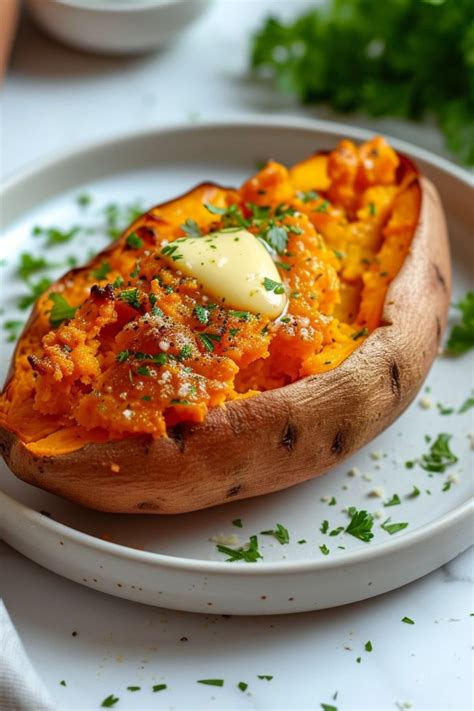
pixel 148 349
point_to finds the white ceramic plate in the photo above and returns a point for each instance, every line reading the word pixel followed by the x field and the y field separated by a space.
pixel 170 561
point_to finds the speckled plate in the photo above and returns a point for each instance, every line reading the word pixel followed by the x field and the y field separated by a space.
pixel 171 561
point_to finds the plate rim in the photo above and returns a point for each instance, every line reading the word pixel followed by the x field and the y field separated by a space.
pixel 452 518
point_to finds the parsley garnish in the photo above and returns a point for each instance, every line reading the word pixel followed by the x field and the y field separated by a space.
pixel 122 356
pixel 440 455
pixel 36 290
pixel 101 271
pixel 159 687
pixel 202 314
pixel 332 501
pixel 265 677
pixel 84 199
pixel 323 207
pixel 191 228
pixel 13 328
pixel 414 493
pixel 242 686
pixel 324 549
pixel 134 688
pixel 185 352
pixel 392 528
pixel 62 683
pixel 131 297
pixel 368 646
pixel 242 315
pixel 372 209
pixel 461 338
pixel 250 554
pixel 56 236
pixel 328 707
pixel 134 241
pixel 408 620
pixel 324 526
pixel 467 404
pixel 30 265
pixel 275 286
pixel 447 485
pixel 360 525
pixel 211 682
pixel 209 339
pixel 307 196
pixel 237 522
pixel 143 370
pixel 280 533
pixel 394 501
pixel 61 311
pixel 336 531
pixel 277 237
pixel 360 334
pixel 109 702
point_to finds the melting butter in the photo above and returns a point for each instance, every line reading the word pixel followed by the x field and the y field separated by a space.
pixel 234 268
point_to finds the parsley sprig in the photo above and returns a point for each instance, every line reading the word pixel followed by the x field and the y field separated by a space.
pixel 360 525
pixel 248 554
pixel 461 338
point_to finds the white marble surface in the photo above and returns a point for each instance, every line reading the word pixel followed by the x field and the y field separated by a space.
pixel 55 98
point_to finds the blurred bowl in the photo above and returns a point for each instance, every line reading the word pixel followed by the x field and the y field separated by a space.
pixel 116 26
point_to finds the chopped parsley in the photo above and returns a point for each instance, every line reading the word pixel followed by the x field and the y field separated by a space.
pixel 444 410
pixel 61 311
pixel 134 688
pixel 360 525
pixel 202 314
pixel 394 501
pixel 467 404
pixel 307 196
pixel 328 707
pixel 30 265
pixel 332 501
pixel 275 286
pixel 241 315
pixel 109 701
pixel 242 686
pixel 447 485
pixel 277 237
pixel 237 522
pixel 280 533
pixel 170 251
pixel 372 209
pixel 360 334
pixel 185 352
pixel 13 329
pixel 101 272
pixel 134 241
pixel 209 340
pixel 368 646
pixel 131 297
pixel 392 528
pixel 414 492
pixel 324 549
pixel 408 620
pixel 143 370
pixel 301 541
pixel 336 531
pixel 265 677
pixel 324 526
pixel 250 554
pixel 56 236
pixel 191 228
pixel 62 683
pixel 211 682
pixel 159 687
pixel 440 455
pixel 323 207
pixel 24 302
pixel 461 338
pixel 84 200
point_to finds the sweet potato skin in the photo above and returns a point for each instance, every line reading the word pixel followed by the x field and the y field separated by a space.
pixel 280 437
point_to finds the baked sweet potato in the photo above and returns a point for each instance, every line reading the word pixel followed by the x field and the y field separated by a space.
pixel 132 390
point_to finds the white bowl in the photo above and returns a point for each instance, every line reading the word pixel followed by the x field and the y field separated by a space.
pixel 115 26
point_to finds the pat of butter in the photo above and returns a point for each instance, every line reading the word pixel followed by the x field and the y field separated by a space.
pixel 234 268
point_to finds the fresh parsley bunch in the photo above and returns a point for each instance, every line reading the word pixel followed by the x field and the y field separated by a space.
pixel 401 58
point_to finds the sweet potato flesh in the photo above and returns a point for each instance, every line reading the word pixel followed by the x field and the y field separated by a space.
pixel 148 349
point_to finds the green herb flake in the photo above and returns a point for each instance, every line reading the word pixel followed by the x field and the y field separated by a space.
pixel 360 525
pixel 62 683
pixel 134 241
pixel 414 492
pixel 109 702
pixel 408 620
pixel 185 352
pixel 461 338
pixel 61 311
pixel 440 456
pixel 211 682
pixel 368 646
pixel 36 290
pixel 143 370
pixel 447 485
pixel 191 228
pixel 360 334
pixel 332 501
pixel 209 340
pixel 392 528
pixel 280 533
pixel 394 501
pixel 277 237
pixel 84 199
pixel 131 297
pixel 265 677
pixel 242 686
pixel 237 522
pixel 301 541
pixel 101 272
pixel 324 549
pixel 275 286
pixel 249 554
pixel 202 314
pixel 31 265
pixel 134 688
pixel 159 687
pixel 372 209
pixel 13 329
pixel 467 404
pixel 307 196
pixel 323 207
pixel 328 707
pixel 122 356
pixel 324 526
pixel 336 531
pixel 444 410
